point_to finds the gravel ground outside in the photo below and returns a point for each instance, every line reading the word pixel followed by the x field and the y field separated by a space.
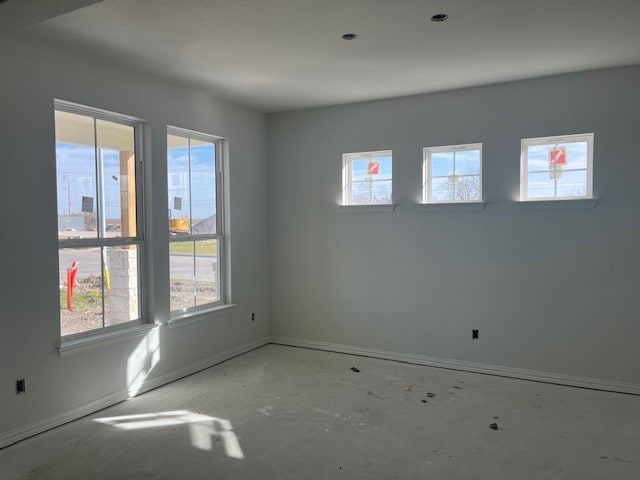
pixel 87 312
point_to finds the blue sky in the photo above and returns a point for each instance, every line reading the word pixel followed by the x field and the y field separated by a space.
pixel 570 183
pixel 359 169
pixel 377 192
pixel 203 183
pixel 76 177
pixel 467 163
pixel 538 156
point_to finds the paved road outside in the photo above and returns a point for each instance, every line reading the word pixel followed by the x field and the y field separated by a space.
pixel 181 264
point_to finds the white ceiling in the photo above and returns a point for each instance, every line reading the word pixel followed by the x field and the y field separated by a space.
pixel 278 55
pixel 17 14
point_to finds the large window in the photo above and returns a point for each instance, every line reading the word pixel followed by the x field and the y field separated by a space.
pixel 453 174
pixel 196 236
pixel 98 172
pixel 557 168
pixel 367 178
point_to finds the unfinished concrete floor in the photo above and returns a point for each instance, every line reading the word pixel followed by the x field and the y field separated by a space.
pixel 288 413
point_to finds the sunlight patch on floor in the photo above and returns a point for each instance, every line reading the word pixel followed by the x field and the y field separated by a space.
pixel 202 428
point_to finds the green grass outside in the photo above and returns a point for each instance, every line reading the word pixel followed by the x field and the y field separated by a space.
pixel 190 282
pixel 82 300
pixel 203 247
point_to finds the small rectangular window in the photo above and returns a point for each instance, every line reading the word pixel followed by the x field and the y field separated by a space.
pixel 557 168
pixel 367 178
pixel 196 240
pixel 99 177
pixel 453 174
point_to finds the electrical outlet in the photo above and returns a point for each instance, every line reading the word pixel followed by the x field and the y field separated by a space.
pixel 21 386
pixel 474 334
pixel 253 317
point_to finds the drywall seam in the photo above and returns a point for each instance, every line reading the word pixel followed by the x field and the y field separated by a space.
pixel 40 426
pixel 545 377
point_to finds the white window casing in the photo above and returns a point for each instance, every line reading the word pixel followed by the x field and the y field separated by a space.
pixel 558 168
pixel 457 179
pixel 211 293
pixel 367 178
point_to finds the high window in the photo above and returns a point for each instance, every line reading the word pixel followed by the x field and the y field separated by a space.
pixel 557 168
pixel 196 234
pixel 367 178
pixel 453 174
pixel 100 235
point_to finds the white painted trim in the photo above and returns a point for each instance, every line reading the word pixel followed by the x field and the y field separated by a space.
pixel 347 173
pixel 545 377
pixel 21 433
pixel 427 154
pixel 374 207
pixel 453 207
pixel 71 347
pixel 557 204
pixel 197 316
pixel 524 173
pixel 155 382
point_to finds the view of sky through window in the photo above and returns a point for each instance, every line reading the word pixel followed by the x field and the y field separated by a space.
pixel 196 193
pixel 453 174
pixel 368 178
pixel 568 179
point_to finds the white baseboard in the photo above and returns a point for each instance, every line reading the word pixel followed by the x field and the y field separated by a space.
pixel 208 362
pixel 32 429
pixel 29 430
pixel 555 378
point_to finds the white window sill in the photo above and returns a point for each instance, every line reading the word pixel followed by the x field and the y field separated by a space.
pixel 557 204
pixel 385 207
pixel 453 207
pixel 71 347
pixel 190 317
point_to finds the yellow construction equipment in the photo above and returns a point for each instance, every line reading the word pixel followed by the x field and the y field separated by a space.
pixel 179 224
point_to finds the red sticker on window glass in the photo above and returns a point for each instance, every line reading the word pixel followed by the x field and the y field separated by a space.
pixel 558 156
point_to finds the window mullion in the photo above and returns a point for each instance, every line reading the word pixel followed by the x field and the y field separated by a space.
pixel 97 170
pixel 220 284
pixel 430 178
pixel 190 185
pixel 100 203
pixel 103 271
pixel 455 188
pixel 219 210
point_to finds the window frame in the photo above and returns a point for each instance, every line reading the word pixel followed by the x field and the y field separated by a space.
pixel 139 240
pixel 347 176
pixel 427 177
pixel 524 160
pixel 219 236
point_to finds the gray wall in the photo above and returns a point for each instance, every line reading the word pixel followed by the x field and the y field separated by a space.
pixel 33 74
pixel 549 290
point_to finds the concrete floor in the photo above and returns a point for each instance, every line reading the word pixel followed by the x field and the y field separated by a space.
pixel 287 413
